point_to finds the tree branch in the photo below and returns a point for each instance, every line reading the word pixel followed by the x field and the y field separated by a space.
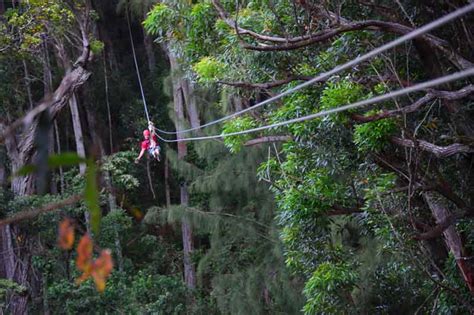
pixel 454 95
pixel 395 112
pixel 86 52
pixel 444 189
pixel 438 151
pixel 292 43
pixel 298 41
pixel 267 139
pixel 60 98
pixel 29 214
pixel 242 31
pixel 447 95
pixel 438 230
pixel 69 84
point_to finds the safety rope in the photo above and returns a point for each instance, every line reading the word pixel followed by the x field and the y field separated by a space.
pixel 373 100
pixel 151 127
pixel 417 32
pixel 136 67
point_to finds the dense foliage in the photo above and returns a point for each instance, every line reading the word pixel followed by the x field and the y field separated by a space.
pixel 367 211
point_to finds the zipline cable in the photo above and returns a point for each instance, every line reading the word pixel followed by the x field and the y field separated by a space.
pixel 373 100
pixel 415 33
pixel 136 66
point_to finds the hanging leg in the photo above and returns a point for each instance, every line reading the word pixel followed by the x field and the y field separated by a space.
pixel 155 153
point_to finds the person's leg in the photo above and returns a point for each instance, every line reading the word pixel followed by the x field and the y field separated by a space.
pixel 151 152
pixel 157 153
pixel 154 152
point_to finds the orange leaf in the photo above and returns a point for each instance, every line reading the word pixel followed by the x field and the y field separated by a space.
pixel 66 234
pixel 102 268
pixel 84 258
pixel 99 269
pixel 84 254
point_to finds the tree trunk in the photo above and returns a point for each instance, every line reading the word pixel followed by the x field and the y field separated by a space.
pixel 8 256
pixel 48 88
pixel 80 148
pixel 58 150
pixel 44 285
pixel 26 147
pixel 21 151
pixel 16 269
pixel 453 240
pixel 53 187
pixel 167 184
pixel 107 102
pixel 78 135
pixel 150 53
pixel 237 103
pixel 28 85
pixel 17 265
pixel 3 175
pixel 64 61
pixel 187 233
pixel 109 52
pixel 15 259
pixel 432 66
pixel 47 74
pixel 190 100
pixel 188 245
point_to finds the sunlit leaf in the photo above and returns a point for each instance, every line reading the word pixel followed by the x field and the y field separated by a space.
pixel 91 196
pixel 66 234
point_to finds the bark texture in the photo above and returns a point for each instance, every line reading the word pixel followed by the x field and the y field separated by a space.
pixel 452 239
pixel 179 106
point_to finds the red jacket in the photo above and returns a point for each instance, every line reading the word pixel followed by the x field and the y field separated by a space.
pixel 147 143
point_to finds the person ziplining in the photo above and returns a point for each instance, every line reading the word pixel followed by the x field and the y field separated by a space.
pixel 150 145
pixel 150 142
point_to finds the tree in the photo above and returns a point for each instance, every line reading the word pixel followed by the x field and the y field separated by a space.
pixel 351 172
pixel 31 144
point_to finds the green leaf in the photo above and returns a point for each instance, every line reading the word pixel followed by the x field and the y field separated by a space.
pixel 91 196
pixel 235 143
pixel 65 159
pixel 25 170
pixel 56 160
pixel 209 69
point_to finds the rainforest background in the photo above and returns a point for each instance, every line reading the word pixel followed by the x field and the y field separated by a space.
pixel 367 211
